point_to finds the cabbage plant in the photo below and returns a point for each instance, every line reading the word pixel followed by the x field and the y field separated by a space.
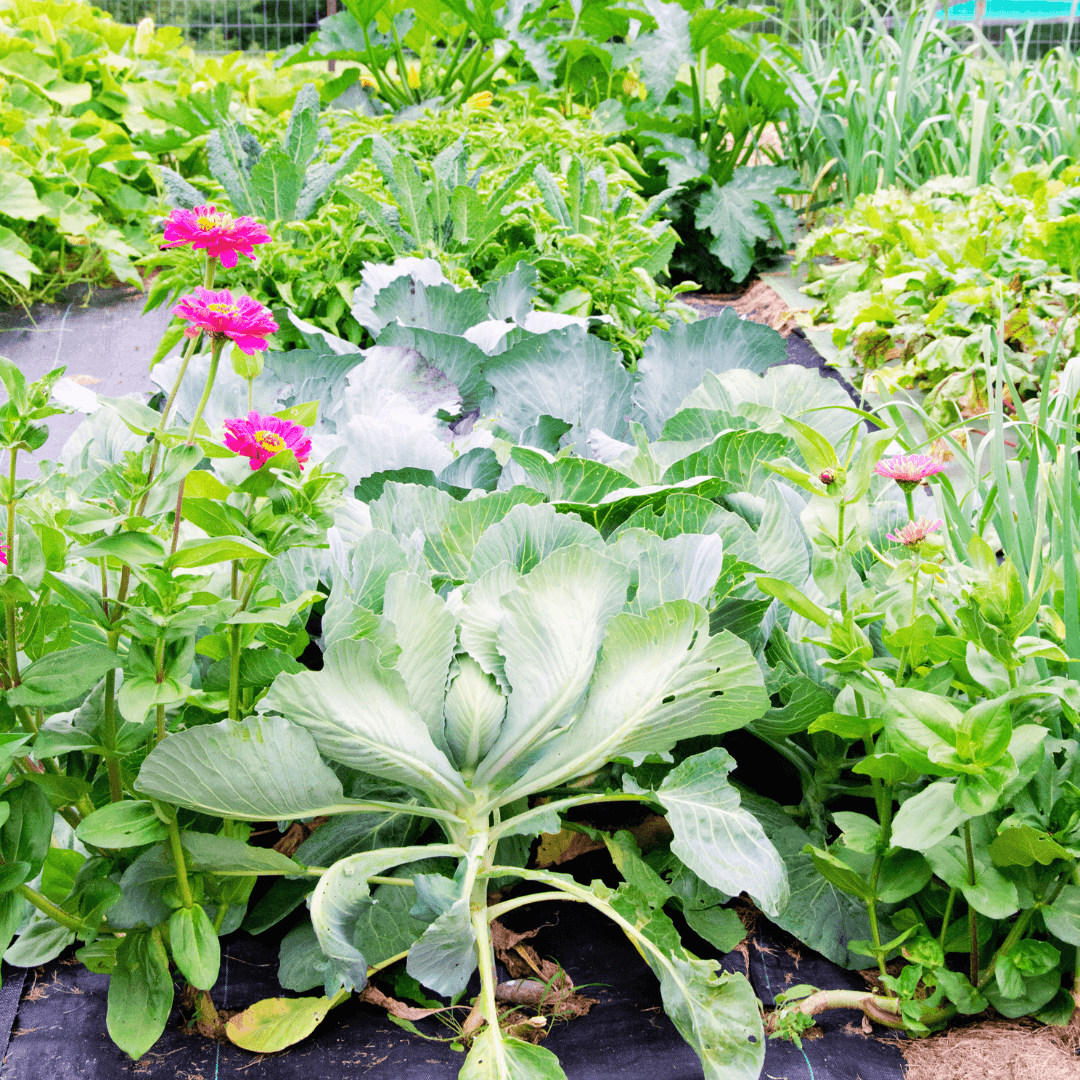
pixel 557 654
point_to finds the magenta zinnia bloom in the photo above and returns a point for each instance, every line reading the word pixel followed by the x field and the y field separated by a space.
pixel 909 470
pixel 261 437
pixel 4 549
pixel 221 235
pixel 914 532
pixel 242 320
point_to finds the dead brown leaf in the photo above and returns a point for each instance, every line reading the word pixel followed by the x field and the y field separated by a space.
pixel 298 832
pixel 374 996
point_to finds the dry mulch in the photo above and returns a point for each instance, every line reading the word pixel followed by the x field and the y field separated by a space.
pixel 757 302
pixel 997 1050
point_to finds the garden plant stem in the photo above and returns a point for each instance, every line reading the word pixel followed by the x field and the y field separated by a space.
pixel 181 867
pixel 9 600
pixel 189 351
pixel 973 925
pixel 211 375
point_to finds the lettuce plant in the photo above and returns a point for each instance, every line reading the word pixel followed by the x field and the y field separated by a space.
pixel 533 673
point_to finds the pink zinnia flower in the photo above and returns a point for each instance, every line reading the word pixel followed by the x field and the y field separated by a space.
pixel 909 470
pixel 4 549
pixel 261 437
pixel 242 320
pixel 914 532
pixel 221 235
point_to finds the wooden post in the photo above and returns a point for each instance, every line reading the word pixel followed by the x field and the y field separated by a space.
pixel 331 9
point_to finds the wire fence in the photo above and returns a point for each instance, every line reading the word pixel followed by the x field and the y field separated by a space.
pixel 220 26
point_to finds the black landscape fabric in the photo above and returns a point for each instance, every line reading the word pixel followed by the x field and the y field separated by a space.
pixel 59 1033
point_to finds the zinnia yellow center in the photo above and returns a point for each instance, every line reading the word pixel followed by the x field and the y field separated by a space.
pixel 270 442
pixel 222 309
pixel 206 222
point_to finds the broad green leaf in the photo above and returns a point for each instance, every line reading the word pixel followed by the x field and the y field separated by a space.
pixel 494 1056
pixel 58 739
pixel 427 637
pixel 302 134
pixel 717 1013
pixel 456 357
pixel 232 152
pixel 12 875
pixel 684 567
pixel 720 927
pixel 273 1024
pixel 26 831
pixel 744 212
pixel 480 619
pixel 782 551
pixel 62 866
pixel 526 536
pixel 721 842
pixel 193 942
pixel 140 993
pixel 552 626
pixel 675 361
pixel 342 896
pixel 214 549
pixel 660 678
pixel 569 479
pixel 992 895
pixel 1024 846
pixel 737 457
pixel 262 769
pixel 122 825
pixel 818 913
pixel 299 958
pixel 227 855
pixel 1062 917
pixel 444 957
pixel 785 390
pixel 360 715
pixel 43 941
pixel 58 677
pixel 567 374
pixel 473 713
pixel 19 198
pixel 925 819
pixel 276 180
pixel 129 548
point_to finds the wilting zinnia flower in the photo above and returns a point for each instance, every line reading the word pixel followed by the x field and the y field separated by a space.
pixel 261 437
pixel 242 320
pixel 221 235
pixel 909 470
pixel 914 532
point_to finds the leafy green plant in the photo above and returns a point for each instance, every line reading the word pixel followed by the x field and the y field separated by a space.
pixel 448 45
pixel 280 183
pixel 891 96
pixel 444 216
pixel 506 726
pixel 923 277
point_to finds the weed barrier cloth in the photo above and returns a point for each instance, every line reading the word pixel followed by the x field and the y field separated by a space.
pixel 59 1031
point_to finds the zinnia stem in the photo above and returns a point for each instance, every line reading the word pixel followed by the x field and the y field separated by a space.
pixel 211 376
pixel 189 351
pixel 234 650
pixel 9 602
